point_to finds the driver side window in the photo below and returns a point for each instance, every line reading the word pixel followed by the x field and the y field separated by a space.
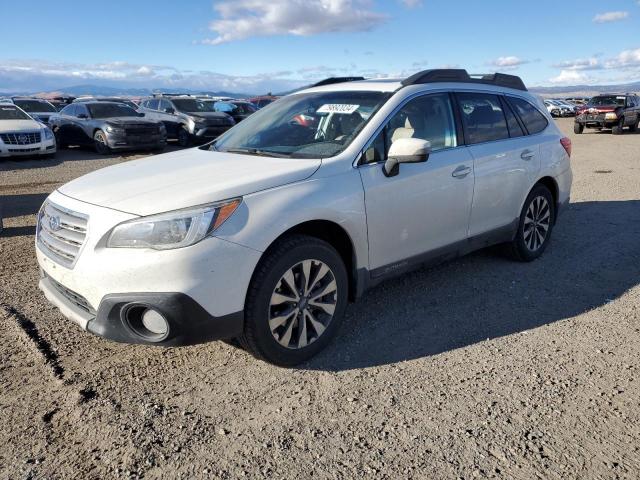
pixel 429 117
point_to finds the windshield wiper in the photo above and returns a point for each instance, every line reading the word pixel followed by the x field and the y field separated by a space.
pixel 258 152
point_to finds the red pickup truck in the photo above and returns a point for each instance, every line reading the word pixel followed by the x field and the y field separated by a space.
pixel 609 111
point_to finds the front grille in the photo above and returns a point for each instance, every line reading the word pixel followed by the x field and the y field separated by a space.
pixel 20 138
pixel 141 131
pixel 24 150
pixel 61 233
pixel 75 298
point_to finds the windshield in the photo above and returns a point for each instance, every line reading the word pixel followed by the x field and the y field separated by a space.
pixel 191 105
pixel 35 105
pixel 608 100
pixel 12 113
pixel 307 125
pixel 128 103
pixel 108 110
pixel 244 108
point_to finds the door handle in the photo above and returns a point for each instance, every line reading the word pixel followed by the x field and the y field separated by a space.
pixel 527 155
pixel 461 172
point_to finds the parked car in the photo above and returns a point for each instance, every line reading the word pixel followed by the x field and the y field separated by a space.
pixel 107 126
pixel 569 109
pixel 559 108
pixel 37 108
pixel 124 101
pixel 263 101
pixel 186 118
pixel 60 101
pixel 265 234
pixel 20 134
pixel 238 109
pixel 614 111
pixel 578 101
pixel 552 108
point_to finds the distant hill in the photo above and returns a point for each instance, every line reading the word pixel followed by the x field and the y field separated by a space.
pixel 99 90
pixel 586 90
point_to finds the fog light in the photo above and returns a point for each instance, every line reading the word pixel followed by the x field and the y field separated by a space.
pixel 154 322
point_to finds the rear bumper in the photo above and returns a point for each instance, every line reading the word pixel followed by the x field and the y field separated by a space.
pixel 188 322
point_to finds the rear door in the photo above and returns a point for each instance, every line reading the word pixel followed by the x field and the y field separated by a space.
pixel 504 162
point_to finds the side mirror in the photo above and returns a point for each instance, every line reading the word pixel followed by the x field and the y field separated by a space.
pixel 82 116
pixel 169 110
pixel 141 114
pixel 406 150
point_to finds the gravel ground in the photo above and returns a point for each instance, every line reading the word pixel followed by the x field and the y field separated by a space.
pixel 481 367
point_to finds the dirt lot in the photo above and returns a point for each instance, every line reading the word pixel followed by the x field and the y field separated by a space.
pixel 478 368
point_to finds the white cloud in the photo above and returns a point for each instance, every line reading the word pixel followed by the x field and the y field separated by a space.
pixel 608 17
pixel 625 59
pixel 591 63
pixel 411 3
pixel 241 19
pixel 568 77
pixel 508 63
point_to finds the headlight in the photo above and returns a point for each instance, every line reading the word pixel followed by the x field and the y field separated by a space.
pixel 115 130
pixel 48 134
pixel 610 116
pixel 176 229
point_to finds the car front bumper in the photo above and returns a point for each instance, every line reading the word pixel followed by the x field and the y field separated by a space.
pixel 590 120
pixel 200 290
pixel 46 147
pixel 122 142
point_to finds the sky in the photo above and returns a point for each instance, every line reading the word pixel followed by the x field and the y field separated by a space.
pixel 255 46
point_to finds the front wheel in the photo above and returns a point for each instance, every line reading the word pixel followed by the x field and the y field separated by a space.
pixel 184 139
pixel 295 302
pixel 100 143
pixel 618 129
pixel 535 225
pixel 634 127
pixel 578 128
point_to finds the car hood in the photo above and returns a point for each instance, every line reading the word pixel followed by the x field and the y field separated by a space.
pixel 602 108
pixel 184 179
pixel 18 125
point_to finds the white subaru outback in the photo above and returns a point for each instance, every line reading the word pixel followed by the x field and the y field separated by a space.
pixel 265 234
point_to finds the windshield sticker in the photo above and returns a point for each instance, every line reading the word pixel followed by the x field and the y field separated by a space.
pixel 337 108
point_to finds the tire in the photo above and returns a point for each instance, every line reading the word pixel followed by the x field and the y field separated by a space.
pixel 100 143
pixel 619 128
pixel 578 128
pixel 634 127
pixel 59 143
pixel 539 209
pixel 184 139
pixel 276 328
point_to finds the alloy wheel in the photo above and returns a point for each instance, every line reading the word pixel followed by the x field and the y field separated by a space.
pixel 536 223
pixel 302 304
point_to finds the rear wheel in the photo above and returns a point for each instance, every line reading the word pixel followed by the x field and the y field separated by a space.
pixel 619 128
pixel 535 226
pixel 578 128
pixel 100 143
pixel 295 302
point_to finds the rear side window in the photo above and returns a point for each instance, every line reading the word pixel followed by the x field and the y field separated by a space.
pixel 515 130
pixel 533 120
pixel 482 117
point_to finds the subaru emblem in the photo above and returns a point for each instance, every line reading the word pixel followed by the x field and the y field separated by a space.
pixel 54 223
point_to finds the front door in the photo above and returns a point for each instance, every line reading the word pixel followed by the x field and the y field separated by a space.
pixel 426 206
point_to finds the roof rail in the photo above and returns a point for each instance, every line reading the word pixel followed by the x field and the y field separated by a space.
pixel 461 75
pixel 164 94
pixel 332 80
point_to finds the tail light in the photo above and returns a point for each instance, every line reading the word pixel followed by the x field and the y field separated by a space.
pixel 566 144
